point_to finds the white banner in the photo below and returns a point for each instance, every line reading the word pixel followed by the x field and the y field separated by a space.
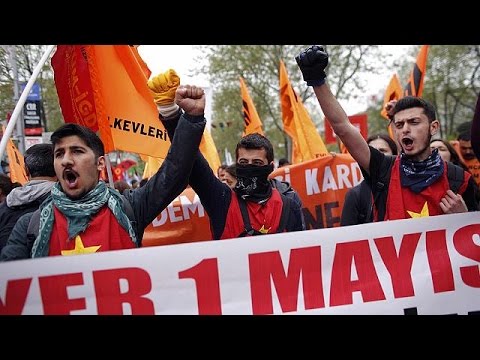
pixel 414 266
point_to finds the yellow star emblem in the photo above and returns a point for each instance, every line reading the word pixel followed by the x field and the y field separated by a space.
pixel 80 249
pixel 263 230
pixel 423 213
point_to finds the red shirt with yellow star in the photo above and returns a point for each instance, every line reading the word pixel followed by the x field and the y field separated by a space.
pixel 103 233
pixel 264 218
pixel 402 203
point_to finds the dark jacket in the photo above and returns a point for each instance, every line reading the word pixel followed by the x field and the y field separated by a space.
pixel 147 201
pixel 21 200
pixel 286 189
pixel 357 207
pixel 216 196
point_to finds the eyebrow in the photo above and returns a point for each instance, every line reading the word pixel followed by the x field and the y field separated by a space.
pixel 72 147
pixel 410 118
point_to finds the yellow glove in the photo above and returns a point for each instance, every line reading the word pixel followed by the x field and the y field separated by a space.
pixel 163 87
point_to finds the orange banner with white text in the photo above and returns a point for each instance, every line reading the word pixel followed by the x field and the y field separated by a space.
pixel 104 87
pixel 184 220
pixel 321 184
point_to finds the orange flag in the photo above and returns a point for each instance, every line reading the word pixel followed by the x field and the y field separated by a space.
pixel 16 164
pixel 394 92
pixel 253 124
pixel 143 64
pixel 104 87
pixel 307 143
pixel 209 150
pixel 151 166
pixel 414 86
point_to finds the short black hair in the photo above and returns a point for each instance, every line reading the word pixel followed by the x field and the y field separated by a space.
pixel 454 158
pixel 221 167
pixel 5 184
pixel 409 102
pixel 257 142
pixel 283 162
pixel 84 133
pixel 39 160
pixel 464 131
pixel 232 170
pixel 391 143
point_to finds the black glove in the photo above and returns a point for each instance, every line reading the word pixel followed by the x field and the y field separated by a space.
pixel 312 62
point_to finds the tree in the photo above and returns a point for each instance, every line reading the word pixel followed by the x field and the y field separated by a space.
pixel 259 66
pixel 452 83
pixel 28 56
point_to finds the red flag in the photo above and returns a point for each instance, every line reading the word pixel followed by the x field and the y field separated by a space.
pixel 126 164
pixel 360 121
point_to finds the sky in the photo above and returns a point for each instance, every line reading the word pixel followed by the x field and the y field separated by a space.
pixel 159 58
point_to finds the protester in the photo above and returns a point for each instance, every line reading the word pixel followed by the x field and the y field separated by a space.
pixel 83 215
pixel 25 199
pixel 4 168
pixel 5 187
pixel 121 186
pixel 134 184
pixel 357 207
pixel 466 150
pixel 266 209
pixel 230 177
pixel 221 171
pixel 413 184
pixel 475 130
pixel 283 162
pixel 447 152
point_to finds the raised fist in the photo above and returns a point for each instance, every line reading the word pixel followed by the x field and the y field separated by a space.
pixel 191 99
pixel 312 62
pixel 163 87
pixel 389 108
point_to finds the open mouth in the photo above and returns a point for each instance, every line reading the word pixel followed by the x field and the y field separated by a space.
pixel 407 144
pixel 71 178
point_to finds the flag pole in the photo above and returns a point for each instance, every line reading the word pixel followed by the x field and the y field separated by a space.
pixel 109 171
pixel 22 99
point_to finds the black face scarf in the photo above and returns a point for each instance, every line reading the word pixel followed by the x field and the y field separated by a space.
pixel 417 175
pixel 252 182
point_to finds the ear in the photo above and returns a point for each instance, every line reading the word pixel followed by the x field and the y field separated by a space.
pixel 101 163
pixel 434 126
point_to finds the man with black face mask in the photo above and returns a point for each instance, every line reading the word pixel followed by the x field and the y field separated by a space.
pixel 256 205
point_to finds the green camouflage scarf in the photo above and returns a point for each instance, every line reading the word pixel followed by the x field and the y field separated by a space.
pixel 79 213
